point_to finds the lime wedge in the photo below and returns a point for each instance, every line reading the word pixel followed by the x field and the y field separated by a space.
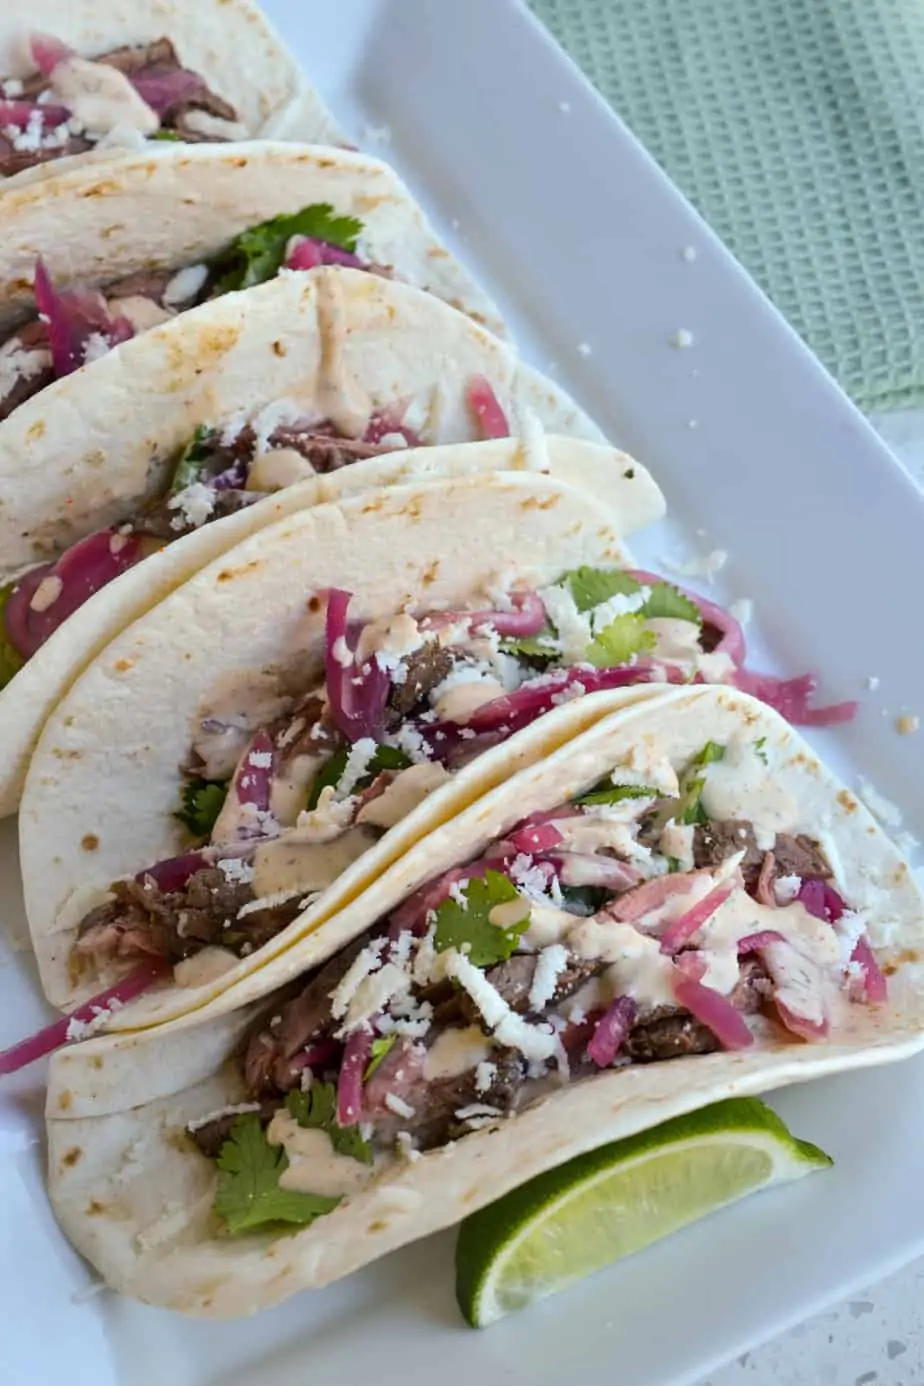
pixel 610 1202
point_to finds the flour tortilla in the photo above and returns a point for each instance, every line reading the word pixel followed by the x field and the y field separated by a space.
pixel 103 784
pixel 230 43
pixel 134 1196
pixel 173 205
pixel 389 342
pixel 27 701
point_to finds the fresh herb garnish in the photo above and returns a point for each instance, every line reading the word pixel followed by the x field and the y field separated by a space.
pixel 543 646
pixel 380 1048
pixel 317 1109
pixel 692 783
pixel 248 1194
pixel 202 803
pixel 468 927
pixel 191 466
pixel 760 749
pixel 616 644
pixel 258 253
pixel 591 586
pixel 608 793
pixel 166 135
pixel 331 772
pixel 11 661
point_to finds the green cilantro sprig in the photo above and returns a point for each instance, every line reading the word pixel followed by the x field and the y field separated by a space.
pixel 202 802
pixel 468 927
pixel 248 1194
pixel 316 1110
pixel 331 772
pixel 258 253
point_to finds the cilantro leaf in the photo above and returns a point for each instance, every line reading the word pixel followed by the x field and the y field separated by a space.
pixel 691 784
pixel 668 602
pixel 613 793
pixel 11 661
pixel 166 135
pixel 591 586
pixel 469 928
pixel 331 772
pixel 624 637
pixel 542 646
pixel 202 803
pixel 257 254
pixel 191 465
pixel 760 749
pixel 248 1194
pixel 317 1109
pixel 380 1048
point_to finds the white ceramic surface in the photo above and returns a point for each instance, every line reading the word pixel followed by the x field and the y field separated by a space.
pixel 586 246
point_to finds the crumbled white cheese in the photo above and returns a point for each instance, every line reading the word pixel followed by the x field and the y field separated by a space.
pixel 184 285
pixel 195 504
pixel 233 428
pixel 374 993
pixel 357 765
pixel 786 888
pixel 509 1028
pixel 475 1110
pixel 406 1148
pixel 457 893
pixel 573 626
pixel 17 364
pixel 328 820
pixel 485 1073
pixel 409 740
pixel 398 1106
pixel 266 902
pixel 535 1042
pixel 47 593
pixel 362 965
pixel 393 440
pixel 282 413
pixel 677 842
pixel 236 870
pixel 260 760
pixel 11 88
pixel 95 347
pixel 550 964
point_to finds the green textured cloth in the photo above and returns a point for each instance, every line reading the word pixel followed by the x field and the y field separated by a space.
pixel 796 127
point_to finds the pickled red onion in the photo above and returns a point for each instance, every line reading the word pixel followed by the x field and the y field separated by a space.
pixel 682 929
pixel 307 252
pixel 73 317
pixel 713 1010
pixel 611 1030
pixel 357 695
pixel 486 407
pixel 350 1080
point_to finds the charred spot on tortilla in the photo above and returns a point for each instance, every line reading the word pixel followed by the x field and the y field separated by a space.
pixel 89 842
pixel 70 1157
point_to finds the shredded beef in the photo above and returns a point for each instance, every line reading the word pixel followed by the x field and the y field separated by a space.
pixel 144 920
pixel 145 283
pixel 325 452
pixel 212 1136
pixel 268 1053
pixel 159 53
pixel 800 855
pixel 14 160
pixel 714 842
pixel 424 669
pixel 668 1034
pixel 161 521
pixel 752 987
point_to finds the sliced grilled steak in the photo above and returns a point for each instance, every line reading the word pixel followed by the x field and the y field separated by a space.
pixel 269 1052
pixel 212 1136
pixel 800 855
pixel 434 1120
pixel 514 980
pixel 425 669
pixel 666 1035
pixel 159 53
pixel 14 160
pixel 325 452
pixel 714 842
pixel 161 521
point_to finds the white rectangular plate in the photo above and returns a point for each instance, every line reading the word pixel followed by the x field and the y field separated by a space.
pixel 582 239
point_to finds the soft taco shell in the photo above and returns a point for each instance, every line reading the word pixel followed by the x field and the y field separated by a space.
pixel 134 1196
pixel 103 783
pixel 26 702
pixel 230 43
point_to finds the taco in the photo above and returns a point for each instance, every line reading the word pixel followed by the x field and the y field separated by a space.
pixel 158 233
pixel 319 685
pixel 678 905
pixel 162 465
pixel 88 81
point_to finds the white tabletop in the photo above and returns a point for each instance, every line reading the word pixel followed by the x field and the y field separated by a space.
pixel 875 1338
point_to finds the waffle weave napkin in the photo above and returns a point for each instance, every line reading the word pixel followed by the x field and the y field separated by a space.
pixel 796 127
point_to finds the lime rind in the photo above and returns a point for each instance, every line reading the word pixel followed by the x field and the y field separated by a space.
pixel 495 1270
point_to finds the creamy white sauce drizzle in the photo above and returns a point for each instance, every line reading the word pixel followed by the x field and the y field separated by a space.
pixel 314 1165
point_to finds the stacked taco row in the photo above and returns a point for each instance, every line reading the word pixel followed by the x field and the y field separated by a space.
pixel 388 833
